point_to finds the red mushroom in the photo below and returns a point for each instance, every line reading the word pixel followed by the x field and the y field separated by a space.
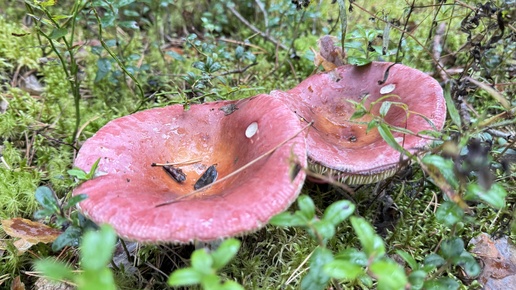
pixel 143 203
pixel 341 147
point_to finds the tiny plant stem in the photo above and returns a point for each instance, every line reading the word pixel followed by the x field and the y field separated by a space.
pixel 72 71
pixel 118 61
pixel 397 60
pixel 236 171
pixel 403 31
pixel 126 251
pixel 343 21
pixel 320 240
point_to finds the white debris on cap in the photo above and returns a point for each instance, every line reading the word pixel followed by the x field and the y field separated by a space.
pixel 387 89
pixel 251 130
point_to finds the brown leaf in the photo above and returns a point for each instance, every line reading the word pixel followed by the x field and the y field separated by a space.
pixel 329 56
pixel 30 231
pixel 17 284
pixel 499 260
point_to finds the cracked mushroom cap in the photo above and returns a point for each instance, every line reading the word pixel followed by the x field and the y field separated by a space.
pixel 341 147
pixel 130 193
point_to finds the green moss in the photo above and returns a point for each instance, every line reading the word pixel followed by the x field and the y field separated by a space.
pixel 18 46
pixel 20 115
pixel 17 185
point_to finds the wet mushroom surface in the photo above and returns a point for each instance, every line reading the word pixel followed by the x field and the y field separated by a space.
pixel 129 193
pixel 340 146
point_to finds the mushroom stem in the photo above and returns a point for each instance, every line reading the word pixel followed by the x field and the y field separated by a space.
pixel 238 170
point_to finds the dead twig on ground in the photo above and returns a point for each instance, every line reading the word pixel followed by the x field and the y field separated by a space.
pixel 255 29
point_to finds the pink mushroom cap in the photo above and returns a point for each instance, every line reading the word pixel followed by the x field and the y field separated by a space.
pixel 341 147
pixel 129 191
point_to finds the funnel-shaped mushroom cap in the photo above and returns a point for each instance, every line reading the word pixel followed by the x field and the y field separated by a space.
pixel 228 135
pixel 340 146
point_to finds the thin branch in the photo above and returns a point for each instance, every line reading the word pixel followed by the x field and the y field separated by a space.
pixel 265 17
pixel 403 31
pixel 238 71
pixel 254 29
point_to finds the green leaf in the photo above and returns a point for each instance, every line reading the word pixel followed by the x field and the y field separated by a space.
pixel 93 169
pixel 452 110
pixel 129 24
pixel 53 269
pixel 449 213
pixel 306 206
pixel 184 277
pixel 46 199
pixel 316 278
pixel 287 219
pixel 389 275
pixel 58 33
pixel 371 125
pixel 74 200
pixel 494 196
pixel 386 134
pixel 44 213
pixel 360 61
pixel 371 243
pixel 417 279
pixel 70 237
pixel 103 68
pixel 353 255
pixel 452 248
pixel 469 264
pixel 97 248
pixel 408 258
pixel 445 166
pixel 107 20
pixel 175 55
pixel 359 113
pixel 338 211
pixel 202 262
pixel 78 173
pixel 343 270
pixel 434 260
pixel 384 109
pixel 231 285
pixel 210 282
pixel 96 279
pixel 325 229
pixel 441 284
pixel 225 252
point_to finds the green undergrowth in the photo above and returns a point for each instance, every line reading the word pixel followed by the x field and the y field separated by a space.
pixel 127 56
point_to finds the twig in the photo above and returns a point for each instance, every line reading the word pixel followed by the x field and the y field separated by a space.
pixel 5 163
pixel 437 48
pixel 238 71
pixel 402 31
pixel 265 17
pixel 296 272
pixel 397 60
pixel 84 126
pixel 236 171
pixel 494 93
pixel 254 29
pixel 177 163
pixel 243 44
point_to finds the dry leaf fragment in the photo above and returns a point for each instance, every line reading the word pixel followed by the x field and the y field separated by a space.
pixel 30 231
pixel 17 284
pixel 329 56
pixel 499 261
